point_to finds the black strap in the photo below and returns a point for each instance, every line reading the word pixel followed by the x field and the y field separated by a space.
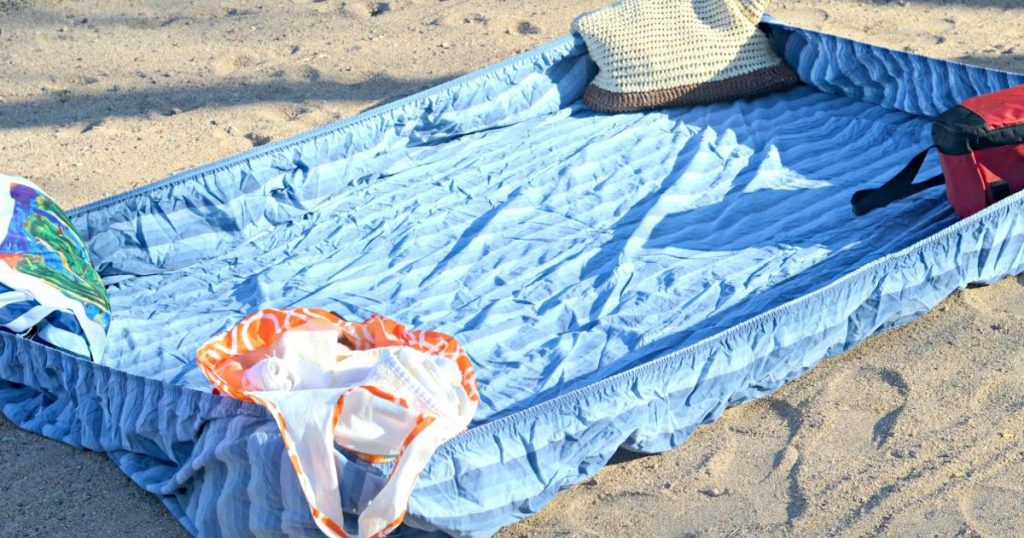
pixel 997 190
pixel 897 188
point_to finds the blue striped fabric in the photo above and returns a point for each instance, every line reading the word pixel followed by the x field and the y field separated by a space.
pixel 25 316
pixel 618 280
pixel 16 309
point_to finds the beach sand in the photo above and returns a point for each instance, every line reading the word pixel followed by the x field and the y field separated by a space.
pixel 917 432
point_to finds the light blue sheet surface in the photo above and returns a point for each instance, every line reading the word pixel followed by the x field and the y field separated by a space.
pixel 564 248
pixel 617 280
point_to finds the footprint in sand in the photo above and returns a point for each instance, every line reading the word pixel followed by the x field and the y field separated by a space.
pixel 999 396
pixel 788 457
pixel 995 507
pixel 884 427
pixel 857 426
pixel 764 435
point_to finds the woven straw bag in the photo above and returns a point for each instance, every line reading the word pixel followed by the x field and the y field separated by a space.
pixel 656 53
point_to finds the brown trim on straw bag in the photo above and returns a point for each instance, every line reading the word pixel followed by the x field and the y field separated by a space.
pixel 771 79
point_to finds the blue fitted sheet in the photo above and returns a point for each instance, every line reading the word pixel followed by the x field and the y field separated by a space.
pixel 617 280
pixel 565 248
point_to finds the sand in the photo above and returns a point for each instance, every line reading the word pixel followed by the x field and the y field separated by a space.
pixel 916 432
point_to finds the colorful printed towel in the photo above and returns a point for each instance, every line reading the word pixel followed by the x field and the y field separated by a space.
pixel 372 389
pixel 49 289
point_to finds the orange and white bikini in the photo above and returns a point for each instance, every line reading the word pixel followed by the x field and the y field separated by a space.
pixel 373 388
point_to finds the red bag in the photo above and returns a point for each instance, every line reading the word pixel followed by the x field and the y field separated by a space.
pixel 981 148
